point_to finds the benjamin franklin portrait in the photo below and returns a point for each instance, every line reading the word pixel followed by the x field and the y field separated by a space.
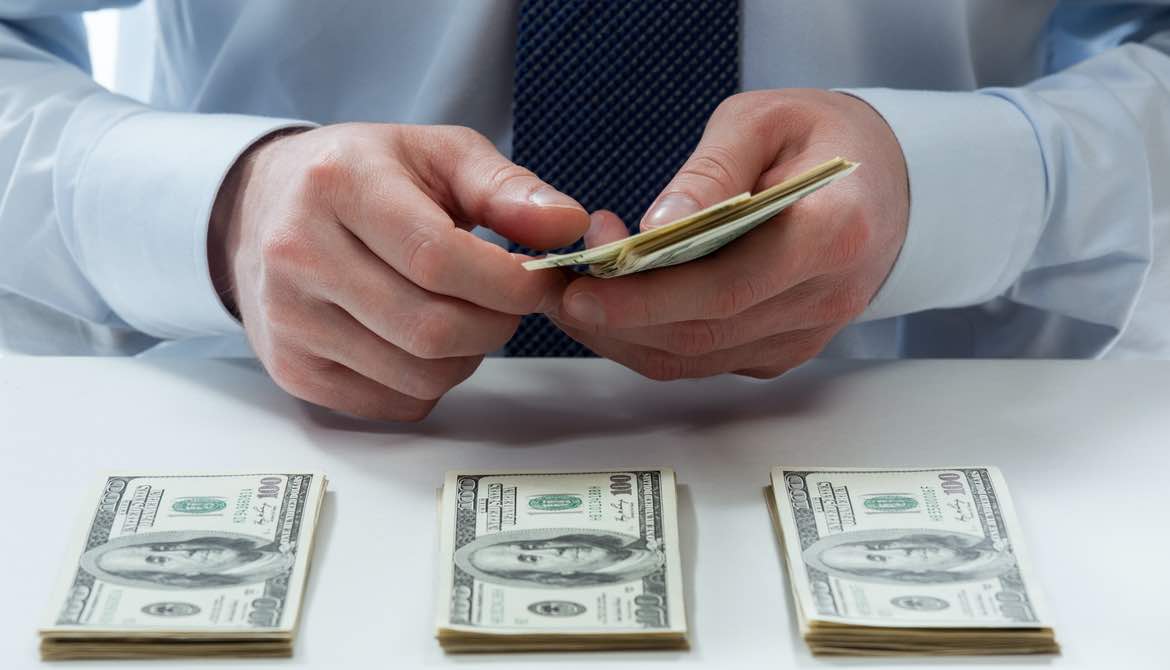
pixel 908 556
pixel 558 557
pixel 185 560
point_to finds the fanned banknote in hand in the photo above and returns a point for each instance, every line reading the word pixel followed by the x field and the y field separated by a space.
pixel 907 561
pixel 560 561
pixel 700 233
pixel 187 565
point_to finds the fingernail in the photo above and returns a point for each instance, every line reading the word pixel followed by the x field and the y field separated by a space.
pixel 547 196
pixel 593 230
pixel 585 307
pixel 595 234
pixel 670 209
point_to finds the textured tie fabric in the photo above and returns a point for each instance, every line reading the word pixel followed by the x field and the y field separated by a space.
pixel 609 99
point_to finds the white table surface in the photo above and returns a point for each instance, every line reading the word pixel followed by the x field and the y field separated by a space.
pixel 1084 447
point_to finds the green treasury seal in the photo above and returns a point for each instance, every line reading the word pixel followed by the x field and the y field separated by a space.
pixel 199 505
pixel 555 502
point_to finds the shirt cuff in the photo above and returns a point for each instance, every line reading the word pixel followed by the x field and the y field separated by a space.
pixel 977 194
pixel 141 208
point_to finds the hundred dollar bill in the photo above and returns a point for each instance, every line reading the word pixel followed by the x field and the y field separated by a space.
pixel 175 565
pixel 540 561
pixel 908 561
pixel 701 233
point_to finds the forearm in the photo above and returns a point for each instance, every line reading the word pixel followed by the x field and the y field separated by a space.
pixel 1043 197
pixel 104 202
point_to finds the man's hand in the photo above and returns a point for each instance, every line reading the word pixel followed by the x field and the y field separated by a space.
pixel 348 253
pixel 774 298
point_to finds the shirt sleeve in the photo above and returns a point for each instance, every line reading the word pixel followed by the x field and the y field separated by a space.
pixel 105 202
pixel 1035 210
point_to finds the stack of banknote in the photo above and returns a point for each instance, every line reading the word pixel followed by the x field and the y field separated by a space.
pixel 171 566
pixel 699 234
pixel 560 561
pixel 909 561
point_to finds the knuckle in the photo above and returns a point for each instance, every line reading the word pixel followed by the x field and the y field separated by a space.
pixel 735 105
pixel 825 310
pixel 463 136
pixel 661 366
pixel 851 303
pixel 291 372
pixel 848 245
pixel 287 249
pixel 412 410
pixel 278 315
pixel 822 311
pixel 766 372
pixel 715 164
pixel 425 383
pixel 807 348
pixel 325 171
pixel 590 329
pixel 695 338
pixel 431 333
pixel 507 174
pixel 637 309
pixel 839 305
pixel 457 141
pixel 738 294
pixel 783 354
pixel 432 379
pixel 500 330
pixel 728 105
pixel 753 109
pixel 758 116
pixel 527 295
pixel 426 264
pixel 769 116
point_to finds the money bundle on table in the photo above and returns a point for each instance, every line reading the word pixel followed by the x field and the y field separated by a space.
pixel 560 561
pixel 191 565
pixel 907 561
pixel 699 234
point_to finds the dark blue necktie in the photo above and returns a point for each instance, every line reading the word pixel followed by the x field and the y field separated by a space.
pixel 609 99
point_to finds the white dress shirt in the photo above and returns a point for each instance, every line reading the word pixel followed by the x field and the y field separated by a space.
pixel 1036 133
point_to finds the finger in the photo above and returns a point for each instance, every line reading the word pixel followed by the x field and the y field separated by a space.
pixel 426 325
pixel 330 384
pixel 464 172
pixel 728 282
pixel 818 302
pixel 740 142
pixel 350 392
pixel 604 227
pixel 813 237
pixel 353 345
pixel 778 353
pixel 411 233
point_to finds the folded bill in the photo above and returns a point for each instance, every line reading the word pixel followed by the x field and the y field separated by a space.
pixel 560 561
pixel 907 561
pixel 700 233
pixel 187 565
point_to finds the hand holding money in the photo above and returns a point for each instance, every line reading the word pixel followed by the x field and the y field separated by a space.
pixel 349 254
pixel 699 234
pixel 774 298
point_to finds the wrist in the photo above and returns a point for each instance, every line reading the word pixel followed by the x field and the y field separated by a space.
pixel 977 198
pixel 227 214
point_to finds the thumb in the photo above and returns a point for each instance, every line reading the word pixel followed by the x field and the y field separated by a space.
pixel 728 161
pixel 479 186
pixel 604 227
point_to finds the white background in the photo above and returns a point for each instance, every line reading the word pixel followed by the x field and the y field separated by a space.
pixel 102 28
pixel 1083 446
